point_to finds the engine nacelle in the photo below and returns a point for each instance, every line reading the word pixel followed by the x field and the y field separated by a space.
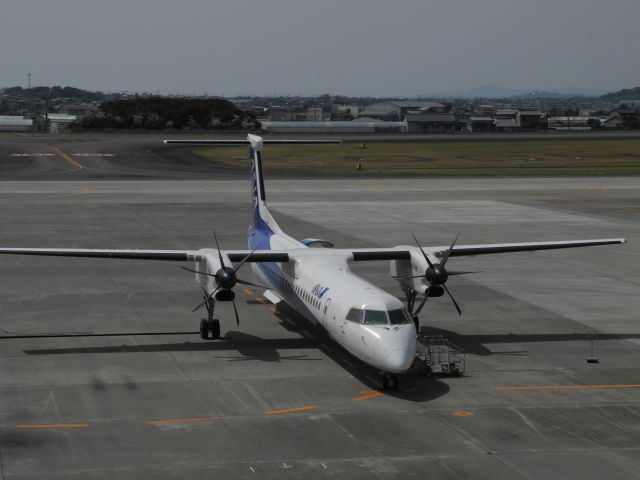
pixel 225 295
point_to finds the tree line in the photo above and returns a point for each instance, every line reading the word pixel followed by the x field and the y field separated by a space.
pixel 161 113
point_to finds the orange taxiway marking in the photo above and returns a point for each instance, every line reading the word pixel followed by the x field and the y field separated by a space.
pixel 173 421
pixel 291 410
pixel 53 425
pixel 248 292
pixel 368 394
pixel 566 387
pixel 76 164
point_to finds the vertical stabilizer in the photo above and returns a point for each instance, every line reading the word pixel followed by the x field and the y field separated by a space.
pixel 262 219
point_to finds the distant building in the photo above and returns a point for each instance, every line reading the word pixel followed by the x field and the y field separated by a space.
pixel 481 124
pixel 432 119
pixel 344 127
pixel 14 123
pixel 77 110
pixel 395 111
pixel 506 120
pixel 485 110
pixel 624 118
pixel 532 120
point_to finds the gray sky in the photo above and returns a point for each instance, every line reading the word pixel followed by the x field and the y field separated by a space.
pixel 310 47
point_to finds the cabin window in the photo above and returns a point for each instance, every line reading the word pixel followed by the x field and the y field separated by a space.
pixel 398 317
pixel 375 317
pixel 355 315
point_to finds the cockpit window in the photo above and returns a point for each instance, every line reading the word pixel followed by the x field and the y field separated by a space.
pixel 398 317
pixel 375 317
pixel 355 315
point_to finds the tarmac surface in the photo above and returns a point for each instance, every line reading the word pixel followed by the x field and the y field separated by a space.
pixel 103 374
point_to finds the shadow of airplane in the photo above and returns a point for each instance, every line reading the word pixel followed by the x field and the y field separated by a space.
pixel 475 344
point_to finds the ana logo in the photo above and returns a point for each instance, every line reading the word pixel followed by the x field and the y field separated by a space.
pixel 319 290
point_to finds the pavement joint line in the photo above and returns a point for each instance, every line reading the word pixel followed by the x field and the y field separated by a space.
pixel 291 410
pixel 566 387
pixel 173 421
pixel 70 160
pixel 29 426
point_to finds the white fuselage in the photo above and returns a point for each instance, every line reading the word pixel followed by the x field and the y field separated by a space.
pixel 321 286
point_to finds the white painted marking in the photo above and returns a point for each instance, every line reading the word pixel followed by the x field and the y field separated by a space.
pixel 31 154
pixel 93 154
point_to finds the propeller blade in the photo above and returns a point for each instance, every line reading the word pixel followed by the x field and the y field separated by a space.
pixel 408 278
pixel 423 254
pixel 218 247
pixel 448 252
pixel 453 299
pixel 196 271
pixel 426 296
pixel 200 305
pixel 244 282
pixel 462 273
pixel 242 262
pixel 233 302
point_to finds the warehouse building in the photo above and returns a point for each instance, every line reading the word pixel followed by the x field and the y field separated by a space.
pixel 13 123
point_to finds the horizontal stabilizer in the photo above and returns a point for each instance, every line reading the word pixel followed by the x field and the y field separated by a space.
pixel 247 142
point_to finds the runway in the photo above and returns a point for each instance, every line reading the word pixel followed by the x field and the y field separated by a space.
pixel 102 373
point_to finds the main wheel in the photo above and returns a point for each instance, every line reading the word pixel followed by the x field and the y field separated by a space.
pixel 204 329
pixel 214 326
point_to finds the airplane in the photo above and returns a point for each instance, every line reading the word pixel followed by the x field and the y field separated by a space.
pixel 316 279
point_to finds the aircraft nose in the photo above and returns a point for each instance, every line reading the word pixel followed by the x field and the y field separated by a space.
pixel 398 361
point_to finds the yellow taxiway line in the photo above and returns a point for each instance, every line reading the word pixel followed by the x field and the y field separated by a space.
pixel 52 425
pixel 291 410
pixel 174 421
pixel 368 394
pixel 76 164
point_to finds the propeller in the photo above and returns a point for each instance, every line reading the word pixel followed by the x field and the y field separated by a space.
pixel 436 275
pixel 225 278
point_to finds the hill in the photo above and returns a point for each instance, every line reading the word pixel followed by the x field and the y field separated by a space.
pixel 621 95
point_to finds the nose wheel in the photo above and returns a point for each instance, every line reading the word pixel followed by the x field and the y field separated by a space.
pixel 389 380
pixel 210 326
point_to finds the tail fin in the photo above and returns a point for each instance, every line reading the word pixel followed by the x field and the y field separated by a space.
pixel 262 219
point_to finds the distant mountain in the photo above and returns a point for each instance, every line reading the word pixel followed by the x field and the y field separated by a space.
pixel 622 95
pixel 492 91
pixel 485 91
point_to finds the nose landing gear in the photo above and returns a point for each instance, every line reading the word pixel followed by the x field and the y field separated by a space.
pixel 210 324
pixel 389 380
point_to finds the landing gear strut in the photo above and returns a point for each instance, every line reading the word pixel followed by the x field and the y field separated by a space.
pixel 411 295
pixel 389 380
pixel 210 324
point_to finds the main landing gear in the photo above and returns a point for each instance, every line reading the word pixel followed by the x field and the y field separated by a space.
pixel 210 324
pixel 389 380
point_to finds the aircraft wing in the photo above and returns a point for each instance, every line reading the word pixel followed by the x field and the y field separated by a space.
pixel 399 253
pixel 174 255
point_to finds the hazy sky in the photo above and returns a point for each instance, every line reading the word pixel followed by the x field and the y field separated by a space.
pixel 310 47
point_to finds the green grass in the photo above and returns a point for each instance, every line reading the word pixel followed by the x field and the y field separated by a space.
pixel 446 158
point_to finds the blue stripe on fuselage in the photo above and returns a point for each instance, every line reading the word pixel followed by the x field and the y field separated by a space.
pixel 260 239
